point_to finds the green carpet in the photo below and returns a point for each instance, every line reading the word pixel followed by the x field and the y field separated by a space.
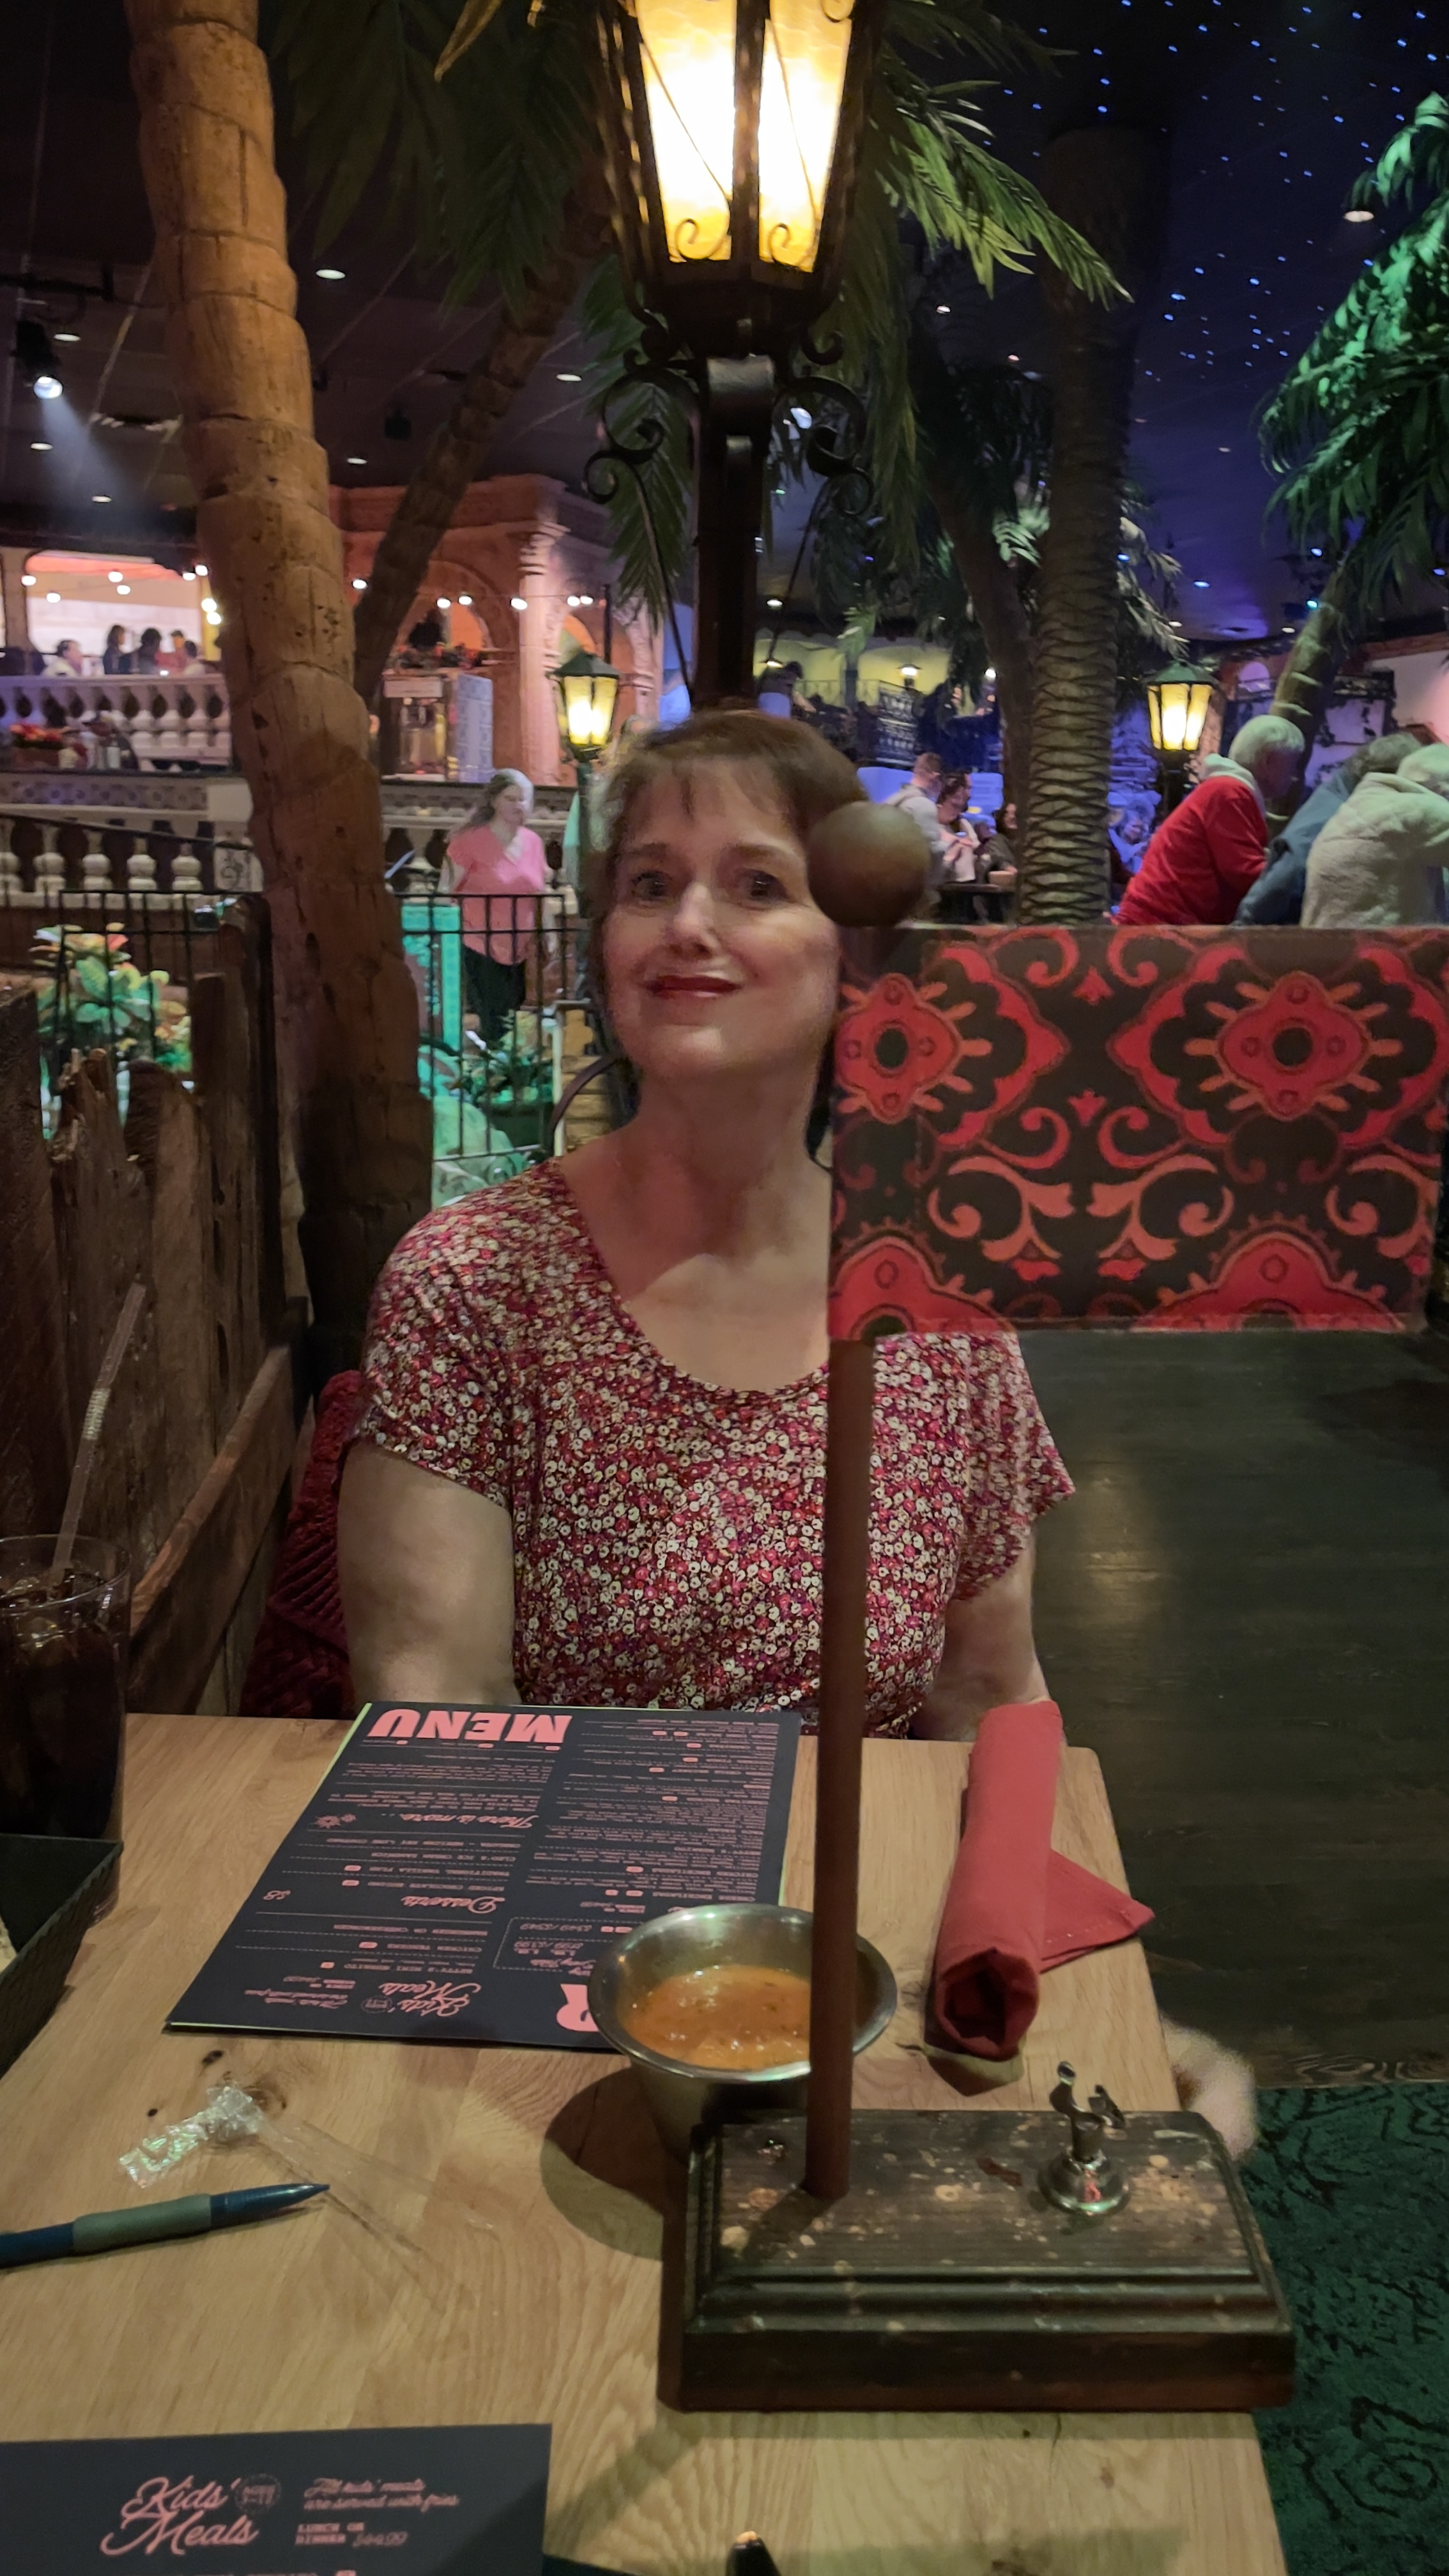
pixel 1351 2190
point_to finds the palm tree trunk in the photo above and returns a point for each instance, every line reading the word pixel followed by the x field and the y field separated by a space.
pixel 1307 677
pixel 347 1011
pixel 1001 615
pixel 456 455
pixel 1109 182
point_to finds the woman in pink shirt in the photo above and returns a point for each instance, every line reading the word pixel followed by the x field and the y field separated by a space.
pixel 495 865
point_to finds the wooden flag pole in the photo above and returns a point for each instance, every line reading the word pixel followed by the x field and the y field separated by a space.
pixel 845 1582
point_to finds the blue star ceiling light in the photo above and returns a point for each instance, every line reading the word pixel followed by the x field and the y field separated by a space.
pixel 1273 114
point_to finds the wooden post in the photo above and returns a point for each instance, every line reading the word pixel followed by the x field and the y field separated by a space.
pixel 845 1582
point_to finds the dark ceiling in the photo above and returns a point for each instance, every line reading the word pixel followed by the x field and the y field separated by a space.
pixel 1271 116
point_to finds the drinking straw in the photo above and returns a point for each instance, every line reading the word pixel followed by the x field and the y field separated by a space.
pixel 85 1456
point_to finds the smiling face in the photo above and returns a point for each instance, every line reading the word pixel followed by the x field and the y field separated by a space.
pixel 716 958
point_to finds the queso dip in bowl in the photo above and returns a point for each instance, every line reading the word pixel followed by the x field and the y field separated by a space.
pixel 711 2005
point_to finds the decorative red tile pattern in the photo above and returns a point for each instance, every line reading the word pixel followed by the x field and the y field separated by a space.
pixel 1159 1127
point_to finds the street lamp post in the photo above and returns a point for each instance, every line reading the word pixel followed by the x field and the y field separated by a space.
pixel 1177 705
pixel 732 130
pixel 588 688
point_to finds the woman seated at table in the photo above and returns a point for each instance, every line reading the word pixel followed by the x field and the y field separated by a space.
pixel 590 1460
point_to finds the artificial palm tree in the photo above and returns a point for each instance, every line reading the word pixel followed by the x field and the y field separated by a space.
pixel 347 1018
pixel 985 450
pixel 492 171
pixel 1358 432
pixel 973 578
pixel 1109 183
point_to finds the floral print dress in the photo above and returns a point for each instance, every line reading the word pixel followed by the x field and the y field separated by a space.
pixel 666 1533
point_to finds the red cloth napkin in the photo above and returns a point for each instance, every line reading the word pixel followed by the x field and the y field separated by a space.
pixel 1014 1906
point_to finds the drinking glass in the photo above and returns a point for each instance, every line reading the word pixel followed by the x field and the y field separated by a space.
pixel 63 1646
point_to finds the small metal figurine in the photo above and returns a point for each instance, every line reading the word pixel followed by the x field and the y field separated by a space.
pixel 1082 2178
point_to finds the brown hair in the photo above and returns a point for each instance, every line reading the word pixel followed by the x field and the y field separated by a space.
pixel 794 766
pixel 487 805
pixel 805 775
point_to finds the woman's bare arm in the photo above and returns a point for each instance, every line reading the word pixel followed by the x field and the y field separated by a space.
pixel 427 1583
pixel 988 1657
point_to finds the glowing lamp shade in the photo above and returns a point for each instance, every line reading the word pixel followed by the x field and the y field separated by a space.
pixel 587 690
pixel 734 126
pixel 807 47
pixel 687 53
pixel 1177 704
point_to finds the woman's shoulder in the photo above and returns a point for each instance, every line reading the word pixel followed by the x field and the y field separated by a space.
pixel 473 843
pixel 966 1370
pixel 514 1236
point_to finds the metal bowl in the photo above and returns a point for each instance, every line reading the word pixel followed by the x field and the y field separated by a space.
pixel 682 2097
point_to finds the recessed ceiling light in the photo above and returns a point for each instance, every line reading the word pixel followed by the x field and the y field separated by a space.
pixel 187 574
pixel 586 599
pixel 1012 359
pixel 358 585
pixel 123 590
pixel 100 496
pixel 357 460
pixel 445 603
pixel 332 273
pixel 71 338
pixel 465 599
pixel 518 603
pixel 774 603
pixel 943 308
pixel 1359 215
pixel 567 376
pixel 209 605
pixel 201 571
pixel 572 600
pixel 53 596
pixel 1199 585
pixel 27 581
pixel 113 576
pixel 41 446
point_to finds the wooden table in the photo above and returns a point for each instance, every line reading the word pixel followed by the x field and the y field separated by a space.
pixel 490 2250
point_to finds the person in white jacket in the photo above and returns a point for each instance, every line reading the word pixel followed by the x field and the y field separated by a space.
pixel 1379 862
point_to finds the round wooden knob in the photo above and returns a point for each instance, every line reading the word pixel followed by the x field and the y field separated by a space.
pixel 868 865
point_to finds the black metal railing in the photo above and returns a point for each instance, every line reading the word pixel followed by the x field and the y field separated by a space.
pixel 506 1018
pixel 506 1021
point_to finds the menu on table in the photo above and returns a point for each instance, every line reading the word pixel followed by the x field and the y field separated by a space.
pixel 459 1869
pixel 435 2501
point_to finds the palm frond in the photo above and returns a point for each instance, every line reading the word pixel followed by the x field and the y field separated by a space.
pixel 477 17
pixel 356 89
pixel 1358 432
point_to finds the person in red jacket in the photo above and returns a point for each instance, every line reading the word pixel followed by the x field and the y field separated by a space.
pixel 1200 863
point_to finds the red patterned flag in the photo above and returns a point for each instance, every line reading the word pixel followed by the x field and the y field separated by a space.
pixel 1190 1128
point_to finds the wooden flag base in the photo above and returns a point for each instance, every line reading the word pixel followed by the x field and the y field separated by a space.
pixel 946 2278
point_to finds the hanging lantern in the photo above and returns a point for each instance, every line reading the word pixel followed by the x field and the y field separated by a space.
pixel 733 132
pixel 1177 704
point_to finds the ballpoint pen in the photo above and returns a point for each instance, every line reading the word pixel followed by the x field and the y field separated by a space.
pixel 104 2229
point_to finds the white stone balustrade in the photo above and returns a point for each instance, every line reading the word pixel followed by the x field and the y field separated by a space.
pixel 48 882
pixel 161 719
